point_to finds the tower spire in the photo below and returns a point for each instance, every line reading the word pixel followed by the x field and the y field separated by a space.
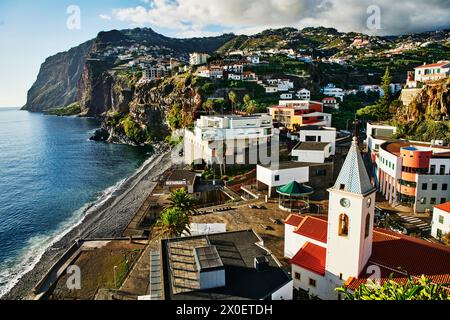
pixel 353 176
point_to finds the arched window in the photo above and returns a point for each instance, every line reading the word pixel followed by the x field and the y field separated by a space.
pixel 368 225
pixel 343 225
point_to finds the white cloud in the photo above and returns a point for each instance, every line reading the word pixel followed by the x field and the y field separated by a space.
pixel 194 17
pixel 105 17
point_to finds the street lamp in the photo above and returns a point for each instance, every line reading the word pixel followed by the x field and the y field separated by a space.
pixel 115 277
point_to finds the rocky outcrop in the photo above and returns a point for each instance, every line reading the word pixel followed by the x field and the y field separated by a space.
pixel 148 118
pixel 57 83
pixel 431 103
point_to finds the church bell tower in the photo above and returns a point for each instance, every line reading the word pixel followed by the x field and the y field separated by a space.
pixel 350 219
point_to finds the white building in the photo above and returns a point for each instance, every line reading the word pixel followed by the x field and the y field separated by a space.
pixel 346 248
pixel 331 91
pixel 254 59
pixel 319 134
pixel 377 134
pixel 441 221
pixel 287 96
pixel 271 89
pixel 277 176
pixel 367 88
pixel 432 72
pixel 235 77
pixel 237 68
pixel 215 137
pixel 197 59
pixel 304 94
pixel 312 152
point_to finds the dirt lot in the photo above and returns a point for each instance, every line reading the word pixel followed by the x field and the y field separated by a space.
pixel 96 263
pixel 244 218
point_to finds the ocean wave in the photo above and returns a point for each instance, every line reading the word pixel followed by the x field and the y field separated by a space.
pixel 12 270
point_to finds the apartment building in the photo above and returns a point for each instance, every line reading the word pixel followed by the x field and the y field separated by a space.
pixel 216 137
pixel 291 114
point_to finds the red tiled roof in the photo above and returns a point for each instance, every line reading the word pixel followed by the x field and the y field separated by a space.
pixel 294 220
pixel 444 207
pixel 434 65
pixel 390 251
pixel 313 228
pixel 417 257
pixel 312 258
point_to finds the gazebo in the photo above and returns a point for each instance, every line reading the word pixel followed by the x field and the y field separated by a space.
pixel 294 197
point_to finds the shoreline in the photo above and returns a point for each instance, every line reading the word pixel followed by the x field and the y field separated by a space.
pixel 105 218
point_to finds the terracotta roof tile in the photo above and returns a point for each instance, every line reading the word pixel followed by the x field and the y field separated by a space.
pixel 294 220
pixel 312 258
pixel 444 207
pixel 313 228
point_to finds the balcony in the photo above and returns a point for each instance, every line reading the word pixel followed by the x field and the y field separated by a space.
pixel 411 177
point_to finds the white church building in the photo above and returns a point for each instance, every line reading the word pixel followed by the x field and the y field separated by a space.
pixel 346 248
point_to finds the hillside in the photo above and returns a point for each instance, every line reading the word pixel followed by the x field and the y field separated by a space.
pixel 60 80
pixel 57 83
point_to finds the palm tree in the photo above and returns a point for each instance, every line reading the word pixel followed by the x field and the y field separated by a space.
pixel 234 100
pixel 181 200
pixel 174 222
pixel 251 107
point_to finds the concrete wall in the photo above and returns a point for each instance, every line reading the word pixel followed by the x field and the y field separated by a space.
pixel 430 193
pixel 284 293
pixel 325 136
pixel 444 227
pixel 267 176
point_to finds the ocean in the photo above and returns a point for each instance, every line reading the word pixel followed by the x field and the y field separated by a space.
pixel 49 174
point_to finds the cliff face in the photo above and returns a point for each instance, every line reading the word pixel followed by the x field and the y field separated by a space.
pixel 432 103
pixel 147 117
pixel 57 83
pixel 79 75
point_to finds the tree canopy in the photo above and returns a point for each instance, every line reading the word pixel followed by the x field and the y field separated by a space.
pixel 413 289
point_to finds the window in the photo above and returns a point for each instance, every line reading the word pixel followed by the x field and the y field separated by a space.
pixel 439 234
pixel 433 169
pixel 441 219
pixel 434 187
pixel 442 170
pixel 321 173
pixel 433 201
pixel 312 283
pixel 423 201
pixel 367 226
pixel 444 187
pixel 343 225
pixel 277 178
pixel 443 200
pixel 424 186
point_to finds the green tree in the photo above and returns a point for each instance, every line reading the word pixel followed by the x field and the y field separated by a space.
pixel 421 289
pixel 209 106
pixel 247 100
pixel 385 101
pixel 234 100
pixel 382 109
pixel 251 107
pixel 174 222
pixel 181 200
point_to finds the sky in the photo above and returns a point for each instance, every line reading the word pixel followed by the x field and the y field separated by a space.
pixel 32 30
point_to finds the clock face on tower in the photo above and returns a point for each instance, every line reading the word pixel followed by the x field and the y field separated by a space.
pixel 345 203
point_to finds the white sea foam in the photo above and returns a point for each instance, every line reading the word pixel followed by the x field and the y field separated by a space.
pixel 36 247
